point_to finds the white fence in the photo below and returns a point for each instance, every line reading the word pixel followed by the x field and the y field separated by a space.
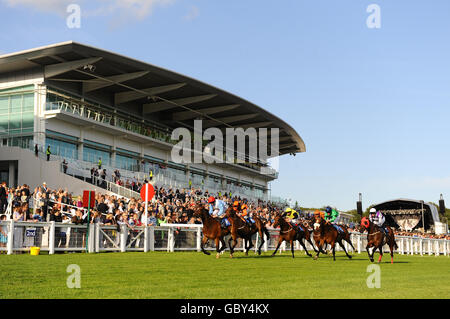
pixel 59 237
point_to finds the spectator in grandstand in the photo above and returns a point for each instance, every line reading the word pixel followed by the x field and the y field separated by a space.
pixel 64 166
pixel 3 197
pixel 48 153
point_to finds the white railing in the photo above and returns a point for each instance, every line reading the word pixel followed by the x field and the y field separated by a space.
pixel 53 237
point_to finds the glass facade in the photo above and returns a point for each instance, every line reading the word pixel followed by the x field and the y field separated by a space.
pixel 62 148
pixel 92 155
pixel 17 110
pixel 125 162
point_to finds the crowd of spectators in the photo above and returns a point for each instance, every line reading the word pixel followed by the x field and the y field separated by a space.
pixel 168 206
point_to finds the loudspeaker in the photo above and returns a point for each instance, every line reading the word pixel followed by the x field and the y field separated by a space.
pixel 441 207
pixel 359 207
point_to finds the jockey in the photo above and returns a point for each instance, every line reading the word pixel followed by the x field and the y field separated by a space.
pixel 217 209
pixel 292 216
pixel 378 219
pixel 245 214
pixel 319 213
pixel 330 214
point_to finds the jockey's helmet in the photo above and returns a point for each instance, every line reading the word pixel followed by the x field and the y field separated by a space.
pixel 211 199
pixel 328 209
pixel 373 211
pixel 288 210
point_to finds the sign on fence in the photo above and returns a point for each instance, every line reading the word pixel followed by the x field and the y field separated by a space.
pixel 88 199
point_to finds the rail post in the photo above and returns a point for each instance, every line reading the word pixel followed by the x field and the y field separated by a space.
pixel 146 238
pixel 199 239
pixel 359 244
pixel 10 244
pixel 123 238
pixel 97 237
pixel 51 238
pixel 266 243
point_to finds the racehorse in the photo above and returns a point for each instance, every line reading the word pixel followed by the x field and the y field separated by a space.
pixel 316 235
pixel 240 228
pixel 326 233
pixel 376 239
pixel 211 230
pixel 290 234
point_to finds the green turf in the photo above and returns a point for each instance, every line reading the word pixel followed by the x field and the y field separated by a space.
pixel 195 275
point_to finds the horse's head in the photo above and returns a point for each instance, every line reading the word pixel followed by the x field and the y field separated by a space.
pixel 318 221
pixel 198 209
pixel 277 219
pixel 365 223
pixel 230 212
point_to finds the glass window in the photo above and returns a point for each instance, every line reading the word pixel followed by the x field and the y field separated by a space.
pixel 28 102
pixel 27 120
pixel 16 104
pixel 16 111
pixel 92 155
pixel 4 104
pixel 125 162
pixel 15 121
pixel 62 148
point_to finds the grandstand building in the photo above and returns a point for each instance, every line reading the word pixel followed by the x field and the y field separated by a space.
pixel 89 104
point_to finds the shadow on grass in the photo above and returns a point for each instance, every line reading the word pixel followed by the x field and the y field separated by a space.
pixel 269 256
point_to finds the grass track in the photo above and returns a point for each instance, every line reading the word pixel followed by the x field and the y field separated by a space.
pixel 194 275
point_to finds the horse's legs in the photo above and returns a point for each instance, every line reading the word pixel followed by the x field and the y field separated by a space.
pixel 291 242
pixel 230 245
pixel 261 235
pixel 203 243
pixel 333 246
pixel 234 237
pixel 302 242
pixel 280 240
pixel 381 253
pixel 218 249
pixel 345 250
pixel 312 245
pixel 319 249
pixel 347 239
pixel 368 252
pixel 224 246
pixel 249 246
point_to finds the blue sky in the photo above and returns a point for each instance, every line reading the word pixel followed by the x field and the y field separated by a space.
pixel 372 105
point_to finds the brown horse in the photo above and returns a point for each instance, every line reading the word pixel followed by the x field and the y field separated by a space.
pixel 241 229
pixel 290 234
pixel 325 232
pixel 376 239
pixel 211 230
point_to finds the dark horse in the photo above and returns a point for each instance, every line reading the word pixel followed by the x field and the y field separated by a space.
pixel 326 233
pixel 240 228
pixel 376 239
pixel 211 230
pixel 290 234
